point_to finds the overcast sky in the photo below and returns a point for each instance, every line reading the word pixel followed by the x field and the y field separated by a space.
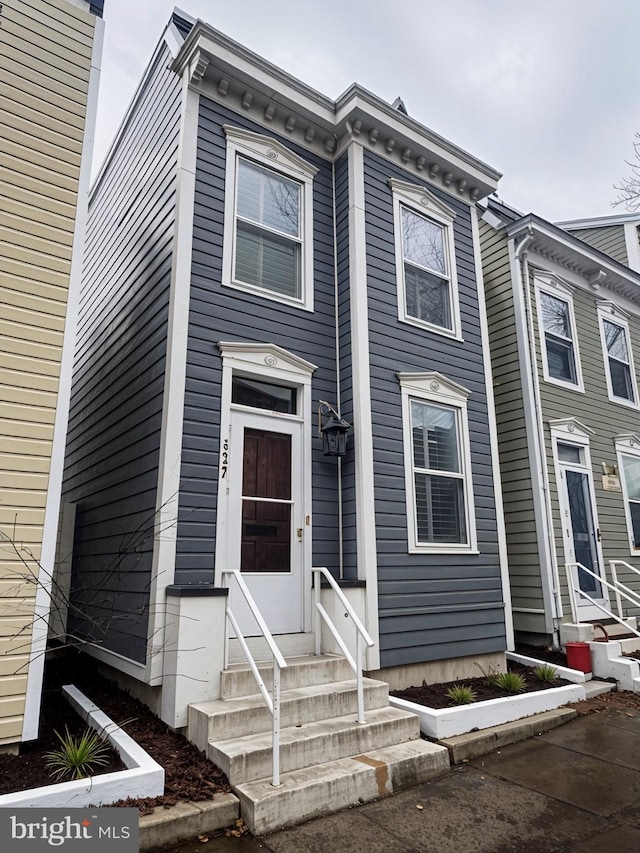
pixel 547 92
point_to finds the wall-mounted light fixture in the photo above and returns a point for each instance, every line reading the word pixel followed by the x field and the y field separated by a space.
pixel 333 431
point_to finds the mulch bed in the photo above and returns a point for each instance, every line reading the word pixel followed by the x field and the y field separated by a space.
pixel 189 775
pixel 544 653
pixel 435 695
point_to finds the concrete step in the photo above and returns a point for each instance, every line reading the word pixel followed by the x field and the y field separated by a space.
pixel 221 719
pixel 249 758
pixel 239 681
pixel 595 688
pixel 336 785
pixel 629 644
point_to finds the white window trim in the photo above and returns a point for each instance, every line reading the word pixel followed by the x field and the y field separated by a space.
pixel 424 203
pixel 272 154
pixel 627 445
pixel 609 311
pixel 560 290
pixel 436 388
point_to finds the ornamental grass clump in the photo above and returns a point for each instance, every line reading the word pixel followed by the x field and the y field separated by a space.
pixel 77 757
pixel 461 694
pixel 545 673
pixel 510 682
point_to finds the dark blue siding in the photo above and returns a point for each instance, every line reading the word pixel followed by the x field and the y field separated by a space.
pixel 111 467
pixel 431 606
pixel 218 313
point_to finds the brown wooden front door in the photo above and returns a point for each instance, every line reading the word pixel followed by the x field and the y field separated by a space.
pixel 266 502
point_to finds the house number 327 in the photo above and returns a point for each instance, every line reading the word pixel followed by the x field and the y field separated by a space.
pixel 225 458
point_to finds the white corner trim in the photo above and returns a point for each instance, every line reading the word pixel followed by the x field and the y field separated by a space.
pixel 170 460
pixel 632 245
pixel 363 426
pixel 42 604
pixel 532 405
pixel 493 434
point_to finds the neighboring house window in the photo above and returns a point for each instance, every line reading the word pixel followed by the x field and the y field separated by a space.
pixel 268 229
pixel 440 512
pixel 425 260
pixel 628 452
pixel 618 358
pixel 559 343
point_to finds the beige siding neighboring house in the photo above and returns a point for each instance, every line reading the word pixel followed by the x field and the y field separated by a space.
pixel 49 69
pixel 617 236
pixel 564 324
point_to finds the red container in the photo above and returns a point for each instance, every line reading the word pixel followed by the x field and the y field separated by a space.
pixel 579 656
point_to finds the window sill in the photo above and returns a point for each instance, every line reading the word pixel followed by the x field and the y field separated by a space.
pixel 429 327
pixel 568 386
pixel 443 549
pixel 269 294
pixel 628 404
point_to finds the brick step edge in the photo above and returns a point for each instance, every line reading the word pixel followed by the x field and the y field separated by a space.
pixel 185 821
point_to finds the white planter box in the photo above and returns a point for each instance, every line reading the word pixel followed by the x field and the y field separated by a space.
pixel 575 675
pixel 446 722
pixel 143 777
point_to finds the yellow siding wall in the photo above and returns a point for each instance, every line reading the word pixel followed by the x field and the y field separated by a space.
pixel 45 56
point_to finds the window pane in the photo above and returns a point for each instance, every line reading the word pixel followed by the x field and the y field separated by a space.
pixel 266 260
pixel 555 316
pixel 631 468
pixel 620 379
pixel 267 198
pixel 263 395
pixel 440 509
pixel 616 339
pixel 635 523
pixel 427 297
pixel 423 242
pixel 569 453
pixel 560 361
pixel 435 437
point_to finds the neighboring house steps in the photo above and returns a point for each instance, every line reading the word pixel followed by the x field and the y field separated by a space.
pixel 328 761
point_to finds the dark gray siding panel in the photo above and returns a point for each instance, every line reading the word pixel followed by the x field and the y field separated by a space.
pixel 218 313
pixel 111 467
pixel 431 606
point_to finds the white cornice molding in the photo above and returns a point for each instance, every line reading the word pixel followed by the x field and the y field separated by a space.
pixel 599 221
pixel 248 84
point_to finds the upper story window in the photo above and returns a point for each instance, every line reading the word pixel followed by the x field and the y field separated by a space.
pixel 268 228
pixel 440 514
pixel 618 358
pixel 628 452
pixel 425 261
pixel 558 338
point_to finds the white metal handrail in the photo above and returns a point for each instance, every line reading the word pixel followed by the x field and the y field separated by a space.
pixel 273 701
pixel 361 632
pixel 631 595
pixel 575 588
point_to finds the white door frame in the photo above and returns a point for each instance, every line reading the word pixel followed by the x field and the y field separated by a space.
pixel 272 364
pixel 570 431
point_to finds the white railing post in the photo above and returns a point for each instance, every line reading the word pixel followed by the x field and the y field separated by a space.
pixel 359 651
pixel 614 580
pixel 275 781
pixel 317 622
pixel 572 592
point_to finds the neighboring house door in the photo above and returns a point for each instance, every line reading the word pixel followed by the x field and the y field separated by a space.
pixel 266 520
pixel 580 528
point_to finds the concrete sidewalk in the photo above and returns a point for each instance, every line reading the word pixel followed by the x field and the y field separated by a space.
pixel 576 788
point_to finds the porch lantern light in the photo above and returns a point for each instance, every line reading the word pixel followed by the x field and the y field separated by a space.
pixel 333 431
